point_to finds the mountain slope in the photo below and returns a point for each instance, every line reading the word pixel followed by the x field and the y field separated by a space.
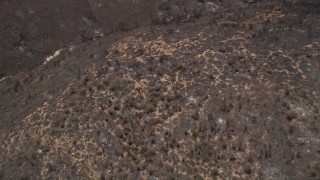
pixel 234 95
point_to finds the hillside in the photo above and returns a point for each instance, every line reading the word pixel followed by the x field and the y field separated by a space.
pixel 230 92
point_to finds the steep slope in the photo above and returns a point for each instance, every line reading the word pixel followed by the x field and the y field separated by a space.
pixel 234 95
pixel 33 29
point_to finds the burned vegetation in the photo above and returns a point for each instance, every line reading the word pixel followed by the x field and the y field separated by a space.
pixel 218 90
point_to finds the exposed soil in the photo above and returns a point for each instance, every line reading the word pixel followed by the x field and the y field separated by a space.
pixel 217 90
pixel 32 30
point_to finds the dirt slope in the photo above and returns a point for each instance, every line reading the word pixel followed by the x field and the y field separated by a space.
pixel 34 29
pixel 231 94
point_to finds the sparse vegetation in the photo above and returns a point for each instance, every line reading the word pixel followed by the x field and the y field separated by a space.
pixel 202 89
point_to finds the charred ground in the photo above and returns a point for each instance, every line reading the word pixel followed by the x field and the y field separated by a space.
pixel 231 91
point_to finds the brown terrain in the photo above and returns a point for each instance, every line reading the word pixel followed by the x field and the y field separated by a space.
pixel 171 89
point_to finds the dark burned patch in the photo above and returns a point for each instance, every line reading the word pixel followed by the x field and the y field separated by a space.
pixel 203 152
